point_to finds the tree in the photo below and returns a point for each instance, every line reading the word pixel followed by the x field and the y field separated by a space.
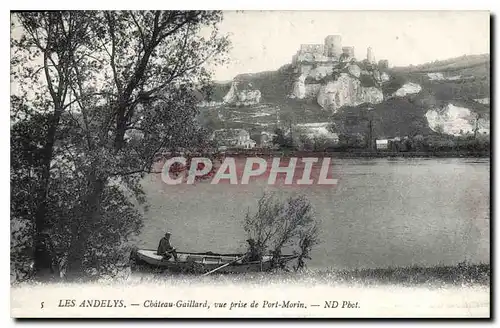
pixel 307 240
pixel 305 142
pixel 278 224
pixel 26 160
pixel 51 39
pixel 407 144
pixel 419 143
pixel 281 139
pixel 321 142
pixel 119 87
pixel 477 118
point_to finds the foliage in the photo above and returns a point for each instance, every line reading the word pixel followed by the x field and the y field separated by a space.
pixel 308 239
pixel 273 85
pixel 314 143
pixel 97 95
pixel 351 141
pixel 283 224
pixel 442 143
pixel 281 139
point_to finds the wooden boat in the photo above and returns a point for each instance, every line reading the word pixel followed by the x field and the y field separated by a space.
pixel 188 262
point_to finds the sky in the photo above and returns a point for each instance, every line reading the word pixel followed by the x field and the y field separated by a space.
pixel 266 40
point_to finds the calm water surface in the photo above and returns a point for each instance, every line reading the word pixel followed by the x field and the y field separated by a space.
pixel 382 212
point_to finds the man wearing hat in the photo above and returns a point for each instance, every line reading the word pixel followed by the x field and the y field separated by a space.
pixel 253 253
pixel 165 249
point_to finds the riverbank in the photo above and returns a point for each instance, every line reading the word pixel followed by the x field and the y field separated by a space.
pixel 356 154
pixel 458 275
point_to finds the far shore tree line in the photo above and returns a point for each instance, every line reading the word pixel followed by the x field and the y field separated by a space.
pixel 432 143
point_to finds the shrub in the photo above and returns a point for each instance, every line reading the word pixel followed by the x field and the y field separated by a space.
pixel 278 224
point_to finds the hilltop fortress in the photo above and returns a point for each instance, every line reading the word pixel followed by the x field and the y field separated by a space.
pixel 328 55
pixel 331 73
pixel 328 72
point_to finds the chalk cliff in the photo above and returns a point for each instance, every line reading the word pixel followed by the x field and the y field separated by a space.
pixel 407 89
pixel 242 96
pixel 455 120
pixel 347 91
pixel 299 88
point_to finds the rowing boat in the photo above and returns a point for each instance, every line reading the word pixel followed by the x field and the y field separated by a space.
pixel 188 262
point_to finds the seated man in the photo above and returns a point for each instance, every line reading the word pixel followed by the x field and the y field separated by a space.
pixel 253 253
pixel 165 249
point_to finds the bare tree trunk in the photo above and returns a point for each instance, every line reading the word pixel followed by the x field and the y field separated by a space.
pixel 82 228
pixel 43 256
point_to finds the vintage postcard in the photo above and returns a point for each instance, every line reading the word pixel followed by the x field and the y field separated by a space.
pixel 249 164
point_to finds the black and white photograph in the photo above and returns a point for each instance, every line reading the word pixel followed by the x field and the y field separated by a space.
pixel 250 164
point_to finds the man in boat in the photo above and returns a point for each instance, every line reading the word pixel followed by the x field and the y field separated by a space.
pixel 253 253
pixel 165 249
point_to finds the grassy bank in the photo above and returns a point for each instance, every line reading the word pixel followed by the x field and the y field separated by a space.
pixel 462 274
pixel 458 275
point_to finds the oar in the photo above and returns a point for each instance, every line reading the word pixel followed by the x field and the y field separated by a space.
pixel 223 266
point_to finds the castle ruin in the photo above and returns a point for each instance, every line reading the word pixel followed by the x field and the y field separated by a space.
pixel 348 51
pixel 325 56
pixel 370 56
pixel 311 55
pixel 314 63
pixel 333 46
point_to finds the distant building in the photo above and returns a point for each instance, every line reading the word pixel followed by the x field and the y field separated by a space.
pixel 248 144
pixel 233 138
pixel 382 143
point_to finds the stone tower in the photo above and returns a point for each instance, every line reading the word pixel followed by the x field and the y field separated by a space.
pixel 370 56
pixel 333 46
pixel 349 51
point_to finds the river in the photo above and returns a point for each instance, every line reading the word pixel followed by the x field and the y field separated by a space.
pixel 381 213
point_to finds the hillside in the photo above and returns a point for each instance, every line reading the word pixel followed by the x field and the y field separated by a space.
pixel 272 84
pixel 443 86
pixel 471 63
